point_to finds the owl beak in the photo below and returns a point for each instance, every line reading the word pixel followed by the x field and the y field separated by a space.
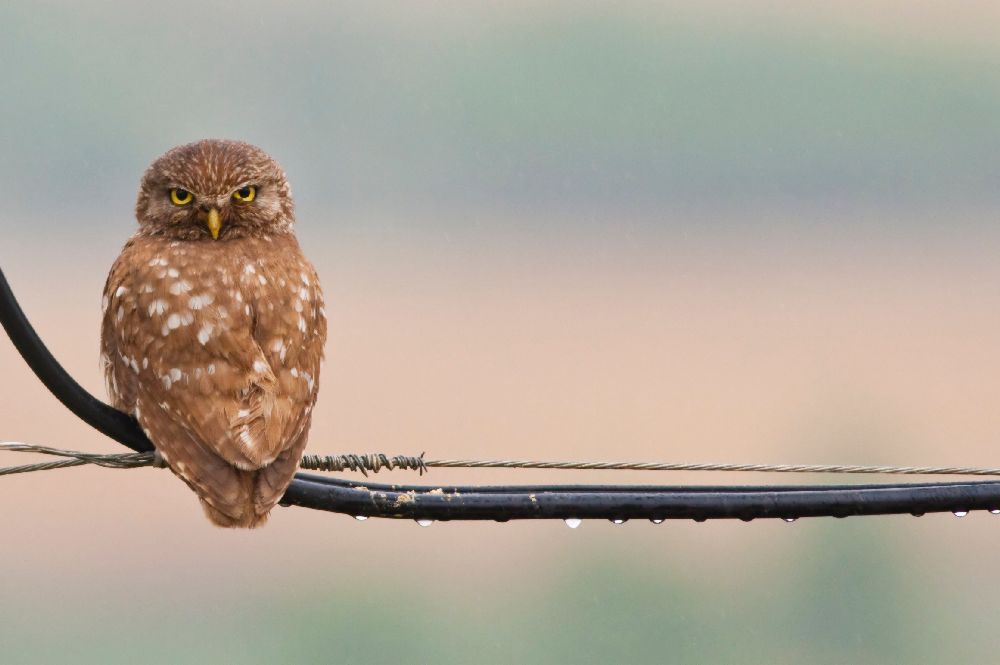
pixel 214 223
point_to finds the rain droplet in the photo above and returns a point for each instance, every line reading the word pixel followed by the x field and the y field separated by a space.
pixel 995 511
pixel 361 518
pixel 657 520
pixel 960 513
pixel 424 522
pixel 917 514
pixel 573 522
pixel 619 520
pixel 789 519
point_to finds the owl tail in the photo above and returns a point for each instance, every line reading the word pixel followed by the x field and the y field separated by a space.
pixel 259 492
pixel 241 512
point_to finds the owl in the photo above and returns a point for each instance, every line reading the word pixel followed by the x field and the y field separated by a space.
pixel 213 327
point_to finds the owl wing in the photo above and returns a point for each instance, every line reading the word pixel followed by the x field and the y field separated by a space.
pixel 119 380
pixel 224 392
pixel 201 368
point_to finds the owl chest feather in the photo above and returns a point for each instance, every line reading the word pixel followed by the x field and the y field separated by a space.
pixel 208 315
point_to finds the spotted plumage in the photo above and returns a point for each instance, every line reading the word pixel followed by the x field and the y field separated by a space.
pixel 214 339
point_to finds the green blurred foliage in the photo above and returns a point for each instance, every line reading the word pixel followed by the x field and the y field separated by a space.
pixel 848 599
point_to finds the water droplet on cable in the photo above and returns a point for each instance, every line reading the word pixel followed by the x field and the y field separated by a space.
pixel 619 520
pixel 361 518
pixel 960 513
pixel 573 522
pixel 657 520
pixel 789 519
pixel 424 522
pixel 995 511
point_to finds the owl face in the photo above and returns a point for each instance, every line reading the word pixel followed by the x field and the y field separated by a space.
pixel 214 190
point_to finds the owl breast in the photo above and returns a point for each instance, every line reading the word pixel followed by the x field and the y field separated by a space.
pixel 225 337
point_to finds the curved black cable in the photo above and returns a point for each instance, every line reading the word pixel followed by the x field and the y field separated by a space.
pixel 105 419
pixel 502 503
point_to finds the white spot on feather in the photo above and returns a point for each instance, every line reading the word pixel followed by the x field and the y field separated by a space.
pixel 179 287
pixel 172 272
pixel 197 302
pixel 174 321
pixel 259 366
pixel 158 306
pixel 120 291
pixel 205 333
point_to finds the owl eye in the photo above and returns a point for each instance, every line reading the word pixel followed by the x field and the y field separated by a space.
pixel 245 194
pixel 180 197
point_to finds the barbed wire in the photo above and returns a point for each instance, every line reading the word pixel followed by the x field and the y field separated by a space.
pixel 374 462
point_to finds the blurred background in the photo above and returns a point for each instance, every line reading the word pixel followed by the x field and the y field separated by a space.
pixel 688 231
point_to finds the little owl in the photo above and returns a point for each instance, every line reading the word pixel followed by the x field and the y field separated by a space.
pixel 213 327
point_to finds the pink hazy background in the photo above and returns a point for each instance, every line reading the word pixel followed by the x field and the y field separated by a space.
pixel 815 282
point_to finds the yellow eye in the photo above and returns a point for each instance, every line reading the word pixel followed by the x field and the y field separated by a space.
pixel 245 194
pixel 180 197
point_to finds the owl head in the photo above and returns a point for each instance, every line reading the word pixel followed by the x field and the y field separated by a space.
pixel 214 190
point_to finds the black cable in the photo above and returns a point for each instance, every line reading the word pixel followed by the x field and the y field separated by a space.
pixel 638 502
pixel 109 421
pixel 502 503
